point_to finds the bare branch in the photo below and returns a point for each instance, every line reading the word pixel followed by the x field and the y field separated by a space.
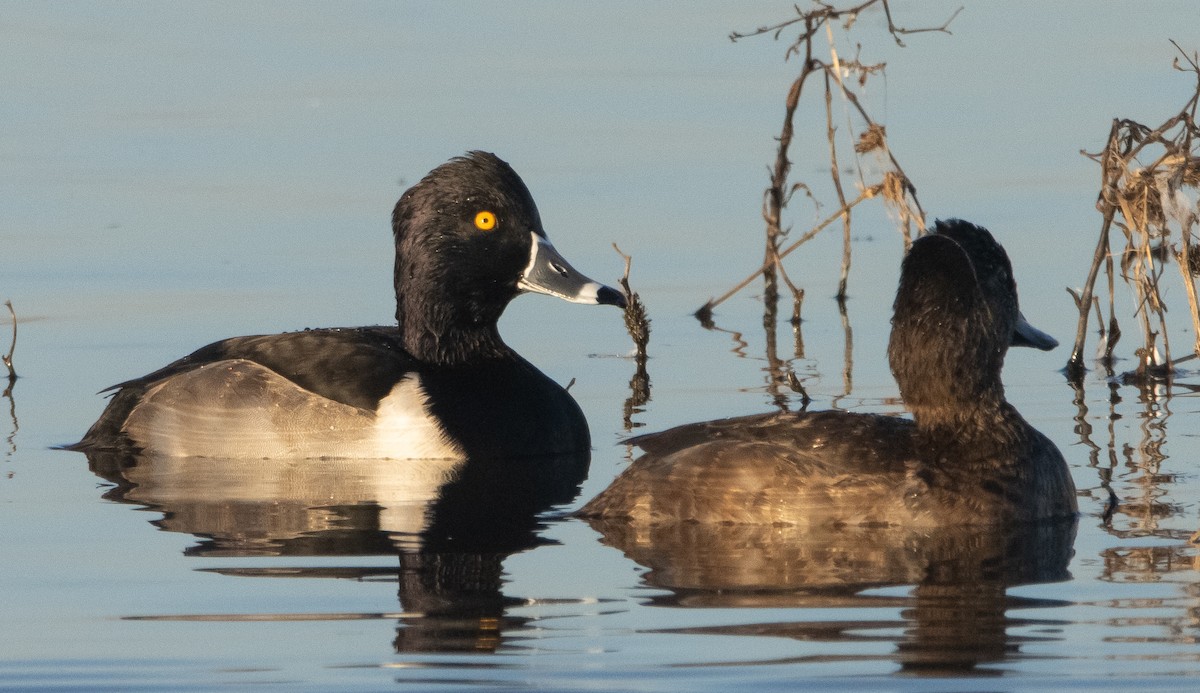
pixel 713 303
pixel 824 13
pixel 896 31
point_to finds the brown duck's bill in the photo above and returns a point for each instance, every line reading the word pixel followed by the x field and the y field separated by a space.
pixel 1027 335
pixel 548 272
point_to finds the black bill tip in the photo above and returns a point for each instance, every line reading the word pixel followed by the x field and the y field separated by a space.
pixel 608 296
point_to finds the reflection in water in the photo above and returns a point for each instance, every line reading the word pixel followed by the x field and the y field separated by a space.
pixel 777 371
pixel 11 439
pixel 1143 500
pixel 780 372
pixel 451 529
pixel 1132 471
pixel 956 617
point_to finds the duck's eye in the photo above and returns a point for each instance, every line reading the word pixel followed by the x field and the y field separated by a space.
pixel 485 221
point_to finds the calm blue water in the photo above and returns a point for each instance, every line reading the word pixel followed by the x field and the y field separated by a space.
pixel 177 173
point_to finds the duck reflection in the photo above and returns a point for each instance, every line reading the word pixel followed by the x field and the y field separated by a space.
pixel 957 616
pixel 450 527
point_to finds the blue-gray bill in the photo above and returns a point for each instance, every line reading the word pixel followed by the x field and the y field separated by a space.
pixel 548 272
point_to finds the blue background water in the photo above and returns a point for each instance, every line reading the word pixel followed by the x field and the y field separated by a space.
pixel 177 173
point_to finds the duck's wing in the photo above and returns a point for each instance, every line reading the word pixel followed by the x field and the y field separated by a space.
pixel 788 468
pixel 350 368
pixel 827 441
pixel 355 366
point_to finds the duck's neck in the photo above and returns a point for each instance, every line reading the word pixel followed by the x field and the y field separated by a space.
pixel 448 335
pixel 444 320
pixel 978 430
pixel 449 347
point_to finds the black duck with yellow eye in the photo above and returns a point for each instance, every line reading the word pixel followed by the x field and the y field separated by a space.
pixel 439 384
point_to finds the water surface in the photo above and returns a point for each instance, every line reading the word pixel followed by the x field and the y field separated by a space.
pixel 175 174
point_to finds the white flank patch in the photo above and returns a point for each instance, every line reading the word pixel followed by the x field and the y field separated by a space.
pixel 404 428
pixel 239 409
pixel 261 434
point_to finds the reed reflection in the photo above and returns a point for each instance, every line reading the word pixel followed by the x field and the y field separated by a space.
pixel 450 529
pixel 10 440
pixel 1144 494
pixel 1148 516
pixel 780 372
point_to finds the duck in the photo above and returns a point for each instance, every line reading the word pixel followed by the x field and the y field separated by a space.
pixel 439 384
pixel 966 457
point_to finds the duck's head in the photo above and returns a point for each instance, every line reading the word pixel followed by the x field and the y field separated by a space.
pixel 468 240
pixel 955 315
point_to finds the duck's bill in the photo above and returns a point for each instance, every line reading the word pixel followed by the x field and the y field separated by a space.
pixel 1027 335
pixel 550 273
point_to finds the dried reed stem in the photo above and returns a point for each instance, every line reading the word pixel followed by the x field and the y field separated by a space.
pixel 896 188
pixel 8 358
pixel 1145 202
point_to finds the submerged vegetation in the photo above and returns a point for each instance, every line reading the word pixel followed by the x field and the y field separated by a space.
pixel 1149 179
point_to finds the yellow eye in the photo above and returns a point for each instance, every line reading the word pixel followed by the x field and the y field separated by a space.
pixel 485 221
